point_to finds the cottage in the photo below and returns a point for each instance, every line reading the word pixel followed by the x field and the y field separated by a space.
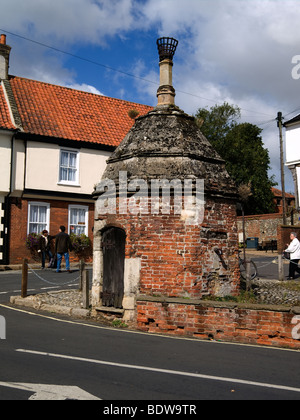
pixel 54 143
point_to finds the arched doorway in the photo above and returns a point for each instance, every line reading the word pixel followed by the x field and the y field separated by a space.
pixel 113 249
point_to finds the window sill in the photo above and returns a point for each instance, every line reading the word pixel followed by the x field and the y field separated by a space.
pixel 68 184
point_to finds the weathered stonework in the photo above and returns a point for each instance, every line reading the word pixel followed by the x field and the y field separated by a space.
pixel 167 144
pixel 189 251
pixel 170 256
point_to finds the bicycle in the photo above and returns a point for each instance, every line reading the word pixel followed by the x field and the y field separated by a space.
pixel 253 268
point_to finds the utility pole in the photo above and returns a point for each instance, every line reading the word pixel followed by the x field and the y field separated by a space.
pixel 279 125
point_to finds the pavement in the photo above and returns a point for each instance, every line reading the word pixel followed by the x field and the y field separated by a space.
pixel 16 267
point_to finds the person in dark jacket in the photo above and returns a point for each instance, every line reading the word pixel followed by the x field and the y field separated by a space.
pixel 62 248
pixel 44 248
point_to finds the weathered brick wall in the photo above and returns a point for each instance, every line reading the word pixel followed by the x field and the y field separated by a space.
pixel 252 324
pixel 178 259
pixel 262 226
pixel 18 222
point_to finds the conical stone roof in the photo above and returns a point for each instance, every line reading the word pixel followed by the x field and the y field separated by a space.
pixel 167 144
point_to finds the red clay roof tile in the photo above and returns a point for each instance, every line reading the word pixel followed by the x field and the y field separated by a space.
pixel 278 193
pixel 56 111
pixel 5 120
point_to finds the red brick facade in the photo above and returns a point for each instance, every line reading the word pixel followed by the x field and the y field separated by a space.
pixel 59 215
pixel 177 258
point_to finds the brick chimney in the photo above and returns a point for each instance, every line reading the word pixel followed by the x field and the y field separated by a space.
pixel 166 92
pixel 4 57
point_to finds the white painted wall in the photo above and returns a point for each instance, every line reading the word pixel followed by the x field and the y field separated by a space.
pixel 18 168
pixel 5 158
pixel 43 162
pixel 2 198
pixel 42 167
pixel 292 144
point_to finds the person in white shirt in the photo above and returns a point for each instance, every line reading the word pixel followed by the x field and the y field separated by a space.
pixel 294 251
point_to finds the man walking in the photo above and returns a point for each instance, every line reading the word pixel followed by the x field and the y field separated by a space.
pixel 62 247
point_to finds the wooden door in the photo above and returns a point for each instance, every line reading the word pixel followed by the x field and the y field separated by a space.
pixel 113 246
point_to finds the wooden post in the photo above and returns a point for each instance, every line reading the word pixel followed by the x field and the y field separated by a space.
pixel 85 289
pixel 81 269
pixel 24 278
pixel 279 125
pixel 280 268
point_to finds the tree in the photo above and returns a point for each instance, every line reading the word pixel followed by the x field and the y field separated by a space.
pixel 241 146
pixel 217 122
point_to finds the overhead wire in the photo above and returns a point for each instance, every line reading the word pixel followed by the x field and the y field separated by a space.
pixel 138 77
pixel 113 69
pixel 292 112
pixel 77 56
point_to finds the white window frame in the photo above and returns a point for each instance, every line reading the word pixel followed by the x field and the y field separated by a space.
pixel 39 204
pixel 80 207
pixel 65 182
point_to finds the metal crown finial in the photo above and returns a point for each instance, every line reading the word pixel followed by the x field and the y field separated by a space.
pixel 166 48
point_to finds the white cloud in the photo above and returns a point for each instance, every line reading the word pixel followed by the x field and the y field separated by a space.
pixel 234 50
pixel 69 21
pixel 85 88
pixel 245 45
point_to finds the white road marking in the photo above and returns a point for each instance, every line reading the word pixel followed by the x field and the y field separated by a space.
pixel 16 291
pixel 51 392
pixel 35 290
pixel 164 371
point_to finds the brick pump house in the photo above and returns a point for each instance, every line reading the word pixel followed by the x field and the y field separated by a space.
pixel 54 143
pixel 144 256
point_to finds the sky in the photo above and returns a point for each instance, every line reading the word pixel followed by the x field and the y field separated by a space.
pixel 238 51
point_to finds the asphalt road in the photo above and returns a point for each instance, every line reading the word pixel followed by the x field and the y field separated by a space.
pixel 267 265
pixel 48 356
pixel 113 364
